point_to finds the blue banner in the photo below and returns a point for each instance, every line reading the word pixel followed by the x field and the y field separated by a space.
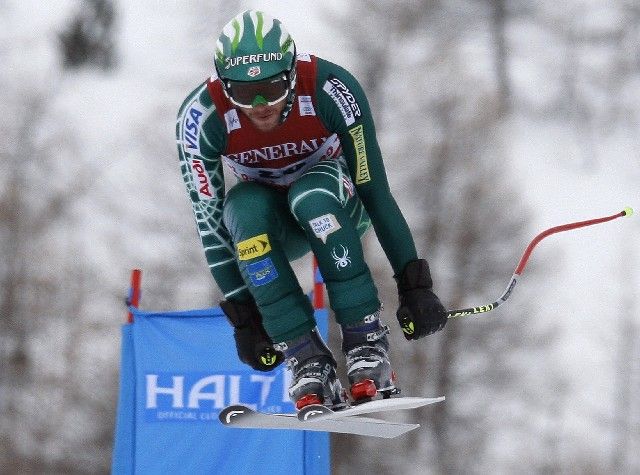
pixel 178 371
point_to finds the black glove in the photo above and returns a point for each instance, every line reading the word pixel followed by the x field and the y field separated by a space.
pixel 421 312
pixel 254 346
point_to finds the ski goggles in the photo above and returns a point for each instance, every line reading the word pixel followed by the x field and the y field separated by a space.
pixel 253 93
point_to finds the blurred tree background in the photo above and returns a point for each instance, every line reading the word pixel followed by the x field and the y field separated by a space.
pixel 470 98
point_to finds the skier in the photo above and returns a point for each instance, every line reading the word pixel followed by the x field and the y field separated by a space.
pixel 297 132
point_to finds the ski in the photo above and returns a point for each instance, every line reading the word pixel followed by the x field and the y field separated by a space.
pixel 239 416
pixel 316 412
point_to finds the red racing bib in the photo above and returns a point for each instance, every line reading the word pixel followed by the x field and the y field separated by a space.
pixel 278 157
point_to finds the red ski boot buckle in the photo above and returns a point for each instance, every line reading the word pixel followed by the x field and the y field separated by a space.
pixel 363 389
pixel 307 400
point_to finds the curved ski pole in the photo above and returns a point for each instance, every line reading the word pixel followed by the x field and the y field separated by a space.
pixel 525 257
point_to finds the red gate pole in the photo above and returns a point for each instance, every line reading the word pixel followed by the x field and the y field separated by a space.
pixel 134 292
pixel 318 286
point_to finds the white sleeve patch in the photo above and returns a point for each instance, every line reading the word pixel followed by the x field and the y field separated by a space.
pixel 343 98
pixel 306 105
pixel 232 120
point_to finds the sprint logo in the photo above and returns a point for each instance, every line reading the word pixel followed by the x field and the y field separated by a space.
pixel 255 246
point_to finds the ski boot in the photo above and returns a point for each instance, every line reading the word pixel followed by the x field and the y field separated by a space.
pixel 313 369
pixel 366 347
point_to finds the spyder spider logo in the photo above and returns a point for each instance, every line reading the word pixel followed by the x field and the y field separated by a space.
pixel 341 261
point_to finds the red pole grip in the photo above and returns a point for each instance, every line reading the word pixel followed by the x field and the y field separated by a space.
pixel 564 227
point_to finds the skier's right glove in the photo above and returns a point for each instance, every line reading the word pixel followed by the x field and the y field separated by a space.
pixel 254 346
pixel 420 313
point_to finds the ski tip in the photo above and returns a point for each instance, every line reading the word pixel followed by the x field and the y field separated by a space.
pixel 313 411
pixel 233 413
pixel 628 211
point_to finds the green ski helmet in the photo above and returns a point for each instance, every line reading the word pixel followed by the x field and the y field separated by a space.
pixel 255 60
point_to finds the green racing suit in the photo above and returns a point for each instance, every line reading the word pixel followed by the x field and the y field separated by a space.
pixel 315 183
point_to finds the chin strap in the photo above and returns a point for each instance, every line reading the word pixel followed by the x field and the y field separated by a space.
pixel 291 96
pixel 288 106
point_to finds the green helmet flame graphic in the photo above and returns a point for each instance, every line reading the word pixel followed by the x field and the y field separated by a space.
pixel 254 46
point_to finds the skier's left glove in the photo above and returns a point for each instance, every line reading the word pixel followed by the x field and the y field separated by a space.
pixel 421 313
pixel 254 346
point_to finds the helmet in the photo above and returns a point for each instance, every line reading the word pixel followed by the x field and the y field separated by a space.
pixel 255 48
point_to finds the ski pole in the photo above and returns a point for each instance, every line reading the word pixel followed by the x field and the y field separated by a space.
pixel 525 257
